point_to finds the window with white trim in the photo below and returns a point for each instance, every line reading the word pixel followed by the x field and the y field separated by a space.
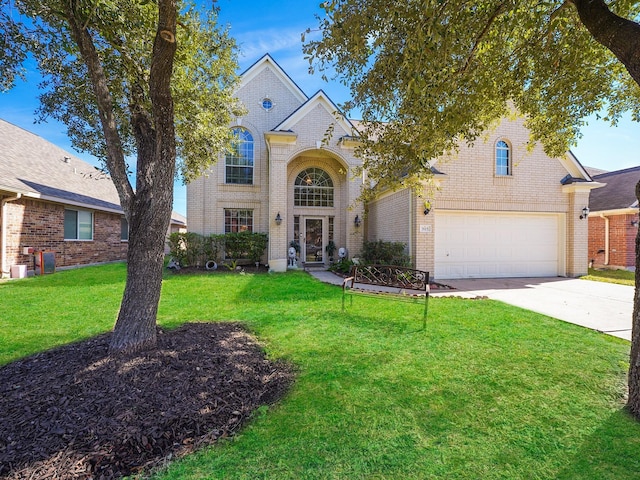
pixel 313 187
pixel 239 159
pixel 503 158
pixel 78 225
pixel 238 220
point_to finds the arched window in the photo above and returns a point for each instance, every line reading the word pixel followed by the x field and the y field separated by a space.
pixel 503 158
pixel 239 159
pixel 313 188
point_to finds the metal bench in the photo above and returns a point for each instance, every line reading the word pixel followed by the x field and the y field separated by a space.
pixel 388 281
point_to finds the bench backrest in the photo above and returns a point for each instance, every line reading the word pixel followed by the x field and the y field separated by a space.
pixel 391 276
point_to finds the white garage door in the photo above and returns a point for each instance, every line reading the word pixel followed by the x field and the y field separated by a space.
pixel 476 245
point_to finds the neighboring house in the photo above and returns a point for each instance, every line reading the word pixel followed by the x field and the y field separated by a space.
pixel 613 220
pixel 54 202
pixel 499 209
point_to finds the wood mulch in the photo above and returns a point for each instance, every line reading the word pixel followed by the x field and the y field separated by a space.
pixel 75 412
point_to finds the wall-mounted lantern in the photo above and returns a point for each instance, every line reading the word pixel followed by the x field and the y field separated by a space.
pixel 278 219
pixel 357 221
pixel 585 213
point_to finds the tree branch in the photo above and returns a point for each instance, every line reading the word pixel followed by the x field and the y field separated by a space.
pixel 620 35
pixel 115 153
pixel 479 38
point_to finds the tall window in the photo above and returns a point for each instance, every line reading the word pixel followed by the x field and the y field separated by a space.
pixel 503 158
pixel 238 220
pixel 239 159
pixel 78 225
pixel 124 229
pixel 313 188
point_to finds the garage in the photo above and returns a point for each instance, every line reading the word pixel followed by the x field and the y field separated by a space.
pixel 494 245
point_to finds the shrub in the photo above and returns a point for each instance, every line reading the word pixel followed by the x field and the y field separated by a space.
pixel 385 253
pixel 343 266
pixel 193 249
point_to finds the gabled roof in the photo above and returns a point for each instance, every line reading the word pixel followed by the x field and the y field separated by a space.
pixel 268 62
pixel 320 98
pixel 34 167
pixel 619 191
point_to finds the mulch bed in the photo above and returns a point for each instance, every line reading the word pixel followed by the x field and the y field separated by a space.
pixel 74 412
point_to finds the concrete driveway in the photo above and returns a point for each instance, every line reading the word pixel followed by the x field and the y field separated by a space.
pixel 605 307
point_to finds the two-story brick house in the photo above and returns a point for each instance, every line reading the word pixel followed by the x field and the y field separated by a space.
pixel 499 209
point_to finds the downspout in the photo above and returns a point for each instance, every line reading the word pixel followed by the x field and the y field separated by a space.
pixel 5 269
pixel 606 239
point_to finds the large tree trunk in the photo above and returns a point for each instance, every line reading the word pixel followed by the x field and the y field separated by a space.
pixel 135 328
pixel 633 403
pixel 150 212
pixel 622 38
pixel 148 209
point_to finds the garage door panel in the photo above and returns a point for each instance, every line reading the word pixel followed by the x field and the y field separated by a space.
pixel 474 245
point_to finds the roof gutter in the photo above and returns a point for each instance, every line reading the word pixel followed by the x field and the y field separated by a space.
pixel 3 220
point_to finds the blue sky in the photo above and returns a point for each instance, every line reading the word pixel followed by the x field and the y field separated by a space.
pixel 275 27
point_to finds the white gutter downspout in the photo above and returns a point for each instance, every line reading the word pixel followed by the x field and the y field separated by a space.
pixel 606 239
pixel 5 269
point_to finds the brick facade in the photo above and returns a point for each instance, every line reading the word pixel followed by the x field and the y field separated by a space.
pixel 293 136
pixel 40 225
pixel 281 151
pixel 620 243
pixel 469 184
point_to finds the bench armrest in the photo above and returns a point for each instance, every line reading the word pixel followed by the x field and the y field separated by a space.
pixel 346 281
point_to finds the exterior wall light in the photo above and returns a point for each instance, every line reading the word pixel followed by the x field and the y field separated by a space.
pixel 426 210
pixel 278 219
pixel 585 213
pixel 357 221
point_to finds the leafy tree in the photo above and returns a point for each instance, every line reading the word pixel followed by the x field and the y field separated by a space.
pixel 131 78
pixel 438 72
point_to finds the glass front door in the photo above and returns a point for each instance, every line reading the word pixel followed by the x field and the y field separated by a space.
pixel 313 244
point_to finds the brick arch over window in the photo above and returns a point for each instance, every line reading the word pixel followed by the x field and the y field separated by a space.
pixel 239 159
pixel 313 187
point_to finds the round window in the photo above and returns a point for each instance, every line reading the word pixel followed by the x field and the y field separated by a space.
pixel 267 104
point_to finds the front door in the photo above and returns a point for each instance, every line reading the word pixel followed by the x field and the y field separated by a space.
pixel 313 245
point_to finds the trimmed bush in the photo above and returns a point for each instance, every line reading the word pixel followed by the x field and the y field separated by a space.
pixel 385 253
pixel 194 250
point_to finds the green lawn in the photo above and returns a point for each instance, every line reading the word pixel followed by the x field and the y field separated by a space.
pixel 623 277
pixel 489 391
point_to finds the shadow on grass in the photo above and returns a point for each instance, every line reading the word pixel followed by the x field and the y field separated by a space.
pixel 610 452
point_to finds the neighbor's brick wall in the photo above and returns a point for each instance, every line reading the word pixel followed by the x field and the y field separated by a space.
pixel 40 225
pixel 622 235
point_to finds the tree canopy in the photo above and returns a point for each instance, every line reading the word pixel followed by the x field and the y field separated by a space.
pixel 427 74
pixel 435 73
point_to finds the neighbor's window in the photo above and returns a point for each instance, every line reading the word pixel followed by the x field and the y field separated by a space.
pixel 78 225
pixel 503 158
pixel 239 159
pixel 124 229
pixel 313 188
pixel 237 220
